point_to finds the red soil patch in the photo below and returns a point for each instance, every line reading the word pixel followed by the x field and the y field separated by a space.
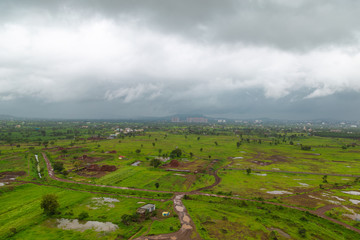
pixel 273 159
pixel 95 167
pixel 111 152
pixel 95 170
pixel 174 164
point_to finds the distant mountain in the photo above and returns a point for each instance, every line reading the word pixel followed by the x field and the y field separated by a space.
pixel 7 117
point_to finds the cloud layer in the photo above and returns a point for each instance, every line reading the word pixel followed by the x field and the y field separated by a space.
pixel 126 53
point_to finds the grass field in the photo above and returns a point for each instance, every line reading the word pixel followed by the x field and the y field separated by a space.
pixel 233 219
pixel 202 155
pixel 20 213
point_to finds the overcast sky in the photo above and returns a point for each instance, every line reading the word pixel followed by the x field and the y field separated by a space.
pixel 283 59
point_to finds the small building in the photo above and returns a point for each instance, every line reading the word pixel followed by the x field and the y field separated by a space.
pixel 146 208
pixel 165 214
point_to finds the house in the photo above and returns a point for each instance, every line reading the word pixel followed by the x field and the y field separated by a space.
pixel 121 157
pixel 165 214
pixel 146 208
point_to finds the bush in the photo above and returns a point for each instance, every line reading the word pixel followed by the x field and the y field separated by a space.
pixel 305 147
pixel 155 162
pixel 176 153
pixel 50 204
pixel 302 232
pixel 58 166
pixel 83 215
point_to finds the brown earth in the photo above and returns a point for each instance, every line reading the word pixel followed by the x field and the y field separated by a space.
pixel 8 174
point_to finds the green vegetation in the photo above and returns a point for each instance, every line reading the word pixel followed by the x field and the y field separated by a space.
pixel 109 169
pixel 235 219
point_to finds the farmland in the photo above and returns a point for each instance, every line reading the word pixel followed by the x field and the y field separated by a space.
pixel 253 182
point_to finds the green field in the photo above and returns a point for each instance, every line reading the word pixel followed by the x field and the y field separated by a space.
pixel 209 153
pixel 234 219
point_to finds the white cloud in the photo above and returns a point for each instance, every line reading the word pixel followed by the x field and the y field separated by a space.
pixel 99 58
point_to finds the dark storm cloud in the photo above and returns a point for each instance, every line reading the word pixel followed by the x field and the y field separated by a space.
pixel 296 24
pixel 164 57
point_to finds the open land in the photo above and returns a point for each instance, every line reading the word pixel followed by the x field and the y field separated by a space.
pixel 216 181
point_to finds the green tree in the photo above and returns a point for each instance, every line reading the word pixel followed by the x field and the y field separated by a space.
pixel 155 162
pixel 49 203
pixel 248 171
pixel 324 178
pixel 83 215
pixel 157 185
pixel 58 166
pixel 176 153
pixel 138 151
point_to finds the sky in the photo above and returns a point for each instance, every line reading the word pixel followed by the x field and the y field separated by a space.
pixel 279 59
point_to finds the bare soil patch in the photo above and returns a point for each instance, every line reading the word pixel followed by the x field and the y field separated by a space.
pixel 8 175
pixel 96 171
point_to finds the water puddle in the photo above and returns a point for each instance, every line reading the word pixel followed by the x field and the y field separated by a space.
pixel 304 184
pixel 354 216
pixel 260 174
pixel 352 192
pixel 353 201
pixel 279 192
pixel 102 201
pixel 137 163
pixel 69 224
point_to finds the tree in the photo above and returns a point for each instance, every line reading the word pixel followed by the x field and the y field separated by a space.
pixel 155 162
pixel 176 153
pixel 216 143
pixel 191 154
pixel 248 171
pixel 58 166
pixel 198 138
pixel 157 185
pixel 49 203
pixel 138 151
pixel 83 215
pixel 324 178
pixel 238 144
pixel 153 144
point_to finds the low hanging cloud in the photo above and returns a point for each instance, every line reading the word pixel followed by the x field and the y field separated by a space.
pixel 71 55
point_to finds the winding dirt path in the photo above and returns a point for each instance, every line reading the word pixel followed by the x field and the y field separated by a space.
pixel 187 225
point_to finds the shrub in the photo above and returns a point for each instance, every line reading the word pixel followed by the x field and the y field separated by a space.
pixel 302 232
pixel 83 215
pixel 58 166
pixel 50 204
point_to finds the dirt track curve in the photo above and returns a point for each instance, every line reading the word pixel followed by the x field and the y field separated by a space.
pixel 187 225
